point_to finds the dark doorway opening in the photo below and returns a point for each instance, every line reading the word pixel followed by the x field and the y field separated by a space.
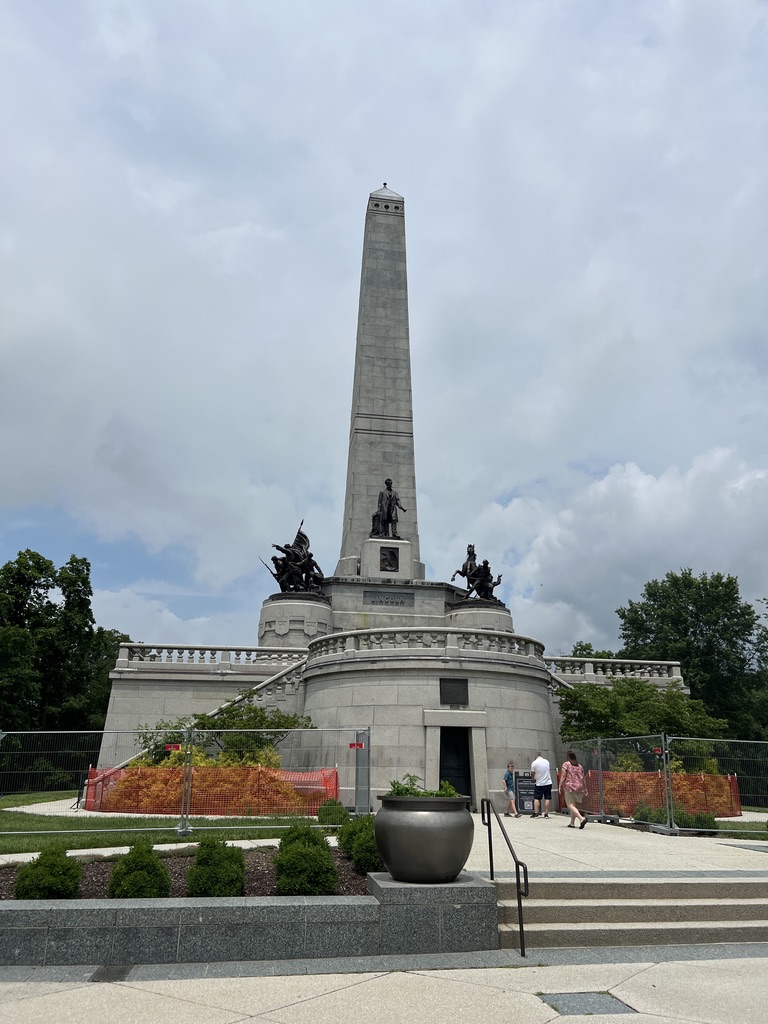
pixel 454 758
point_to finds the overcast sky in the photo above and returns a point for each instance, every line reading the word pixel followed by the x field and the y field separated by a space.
pixel 182 194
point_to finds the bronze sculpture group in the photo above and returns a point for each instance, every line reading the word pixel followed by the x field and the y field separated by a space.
pixel 297 570
pixel 480 581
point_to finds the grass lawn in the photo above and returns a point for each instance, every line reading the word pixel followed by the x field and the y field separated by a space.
pixel 743 829
pixel 24 799
pixel 26 832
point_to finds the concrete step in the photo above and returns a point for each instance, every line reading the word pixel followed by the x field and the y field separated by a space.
pixel 562 889
pixel 627 911
pixel 633 934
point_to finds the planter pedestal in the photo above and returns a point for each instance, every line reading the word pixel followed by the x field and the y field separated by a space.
pixel 453 918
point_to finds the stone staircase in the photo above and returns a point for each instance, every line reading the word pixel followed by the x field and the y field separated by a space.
pixel 636 911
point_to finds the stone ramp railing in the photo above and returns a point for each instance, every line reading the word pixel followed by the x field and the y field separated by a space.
pixel 604 670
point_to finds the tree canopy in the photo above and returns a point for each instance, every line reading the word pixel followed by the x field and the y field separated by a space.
pixel 718 638
pixel 583 649
pixel 633 707
pixel 234 729
pixel 54 661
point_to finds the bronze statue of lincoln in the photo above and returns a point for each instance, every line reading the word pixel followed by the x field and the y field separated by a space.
pixel 385 516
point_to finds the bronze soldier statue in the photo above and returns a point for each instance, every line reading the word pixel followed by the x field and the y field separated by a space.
pixel 297 570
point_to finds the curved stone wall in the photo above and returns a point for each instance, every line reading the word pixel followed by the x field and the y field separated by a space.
pixel 390 680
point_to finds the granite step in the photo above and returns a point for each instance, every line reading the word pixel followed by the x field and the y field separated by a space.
pixel 600 888
pixel 639 933
pixel 627 911
pixel 635 910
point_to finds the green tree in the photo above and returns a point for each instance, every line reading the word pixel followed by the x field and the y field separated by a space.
pixel 54 662
pixel 583 649
pixel 633 707
pixel 702 622
pixel 239 729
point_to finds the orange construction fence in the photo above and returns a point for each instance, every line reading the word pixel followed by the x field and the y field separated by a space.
pixel 623 791
pixel 215 790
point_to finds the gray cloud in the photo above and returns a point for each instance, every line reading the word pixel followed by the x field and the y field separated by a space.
pixel 180 243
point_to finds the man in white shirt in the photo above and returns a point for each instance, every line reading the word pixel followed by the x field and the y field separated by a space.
pixel 542 780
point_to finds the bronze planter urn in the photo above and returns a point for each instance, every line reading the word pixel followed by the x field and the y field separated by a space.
pixel 424 839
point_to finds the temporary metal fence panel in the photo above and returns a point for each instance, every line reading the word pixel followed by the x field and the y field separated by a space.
pixel 626 777
pixel 721 778
pixel 273 773
pixel 54 763
pixel 680 783
pixel 208 776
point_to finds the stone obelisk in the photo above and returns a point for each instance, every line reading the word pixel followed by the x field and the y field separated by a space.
pixel 381 427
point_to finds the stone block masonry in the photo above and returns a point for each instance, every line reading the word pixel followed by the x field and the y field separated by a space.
pixel 395 918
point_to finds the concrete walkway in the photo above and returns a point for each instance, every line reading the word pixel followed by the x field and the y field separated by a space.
pixel 718 984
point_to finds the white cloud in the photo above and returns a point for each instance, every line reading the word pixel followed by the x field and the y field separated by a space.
pixel 585 195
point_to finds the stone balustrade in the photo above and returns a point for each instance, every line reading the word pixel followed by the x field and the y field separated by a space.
pixel 131 655
pixel 437 640
pixel 612 668
pixel 388 641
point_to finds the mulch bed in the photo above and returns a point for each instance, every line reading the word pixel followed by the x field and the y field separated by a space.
pixel 259 876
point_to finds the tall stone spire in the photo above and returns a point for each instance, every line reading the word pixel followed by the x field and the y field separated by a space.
pixel 381 427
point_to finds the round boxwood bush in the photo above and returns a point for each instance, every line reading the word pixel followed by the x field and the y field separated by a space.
pixel 365 853
pixel 332 812
pixel 302 869
pixel 218 870
pixel 52 875
pixel 303 834
pixel 140 873
pixel 348 833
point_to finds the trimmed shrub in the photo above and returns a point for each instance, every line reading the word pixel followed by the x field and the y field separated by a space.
pixel 303 834
pixel 653 815
pixel 304 869
pixel 332 812
pixel 52 875
pixel 139 874
pixel 700 822
pixel 365 853
pixel 349 832
pixel 219 870
pixel 356 840
pixel 704 822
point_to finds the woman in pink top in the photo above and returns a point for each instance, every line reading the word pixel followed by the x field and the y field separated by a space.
pixel 573 786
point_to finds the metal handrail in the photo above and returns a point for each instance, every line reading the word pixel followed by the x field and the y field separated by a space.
pixel 486 810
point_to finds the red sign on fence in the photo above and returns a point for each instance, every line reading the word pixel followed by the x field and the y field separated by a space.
pixel 173 746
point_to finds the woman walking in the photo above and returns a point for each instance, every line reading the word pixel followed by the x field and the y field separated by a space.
pixel 573 787
pixel 509 787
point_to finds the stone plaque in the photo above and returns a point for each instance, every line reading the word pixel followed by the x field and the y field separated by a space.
pixel 385 598
pixel 454 691
pixel 389 559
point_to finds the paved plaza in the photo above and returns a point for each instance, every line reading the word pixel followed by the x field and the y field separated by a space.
pixel 718 984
